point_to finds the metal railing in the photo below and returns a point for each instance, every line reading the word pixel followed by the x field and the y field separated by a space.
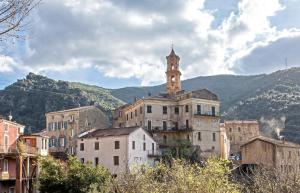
pixel 154 153
pixel 207 114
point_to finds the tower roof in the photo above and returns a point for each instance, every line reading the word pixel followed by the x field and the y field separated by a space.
pixel 172 54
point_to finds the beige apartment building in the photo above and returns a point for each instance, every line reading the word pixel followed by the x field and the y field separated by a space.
pixel 117 149
pixel 64 126
pixel 176 115
pixel 240 132
pixel 271 153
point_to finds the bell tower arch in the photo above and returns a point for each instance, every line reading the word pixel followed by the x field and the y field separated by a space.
pixel 173 73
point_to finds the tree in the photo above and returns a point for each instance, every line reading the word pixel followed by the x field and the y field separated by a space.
pixel 13 14
pixel 181 177
pixel 72 176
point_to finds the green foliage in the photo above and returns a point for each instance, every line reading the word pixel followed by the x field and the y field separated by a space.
pixel 72 177
pixel 182 149
pixel 182 177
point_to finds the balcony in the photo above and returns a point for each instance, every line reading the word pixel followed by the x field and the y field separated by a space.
pixel 154 153
pixel 26 149
pixel 172 129
pixel 4 176
pixel 207 114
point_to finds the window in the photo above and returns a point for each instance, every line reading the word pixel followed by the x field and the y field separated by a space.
pixel 11 190
pixel 96 145
pixel 144 146
pixel 5 165
pixel 213 111
pixel 81 146
pixel 141 110
pixel 127 117
pixel 133 144
pixel 96 161
pixel 135 112
pixel 117 144
pixel 62 142
pixel 213 148
pixel 165 139
pixel 188 137
pixel 116 160
pixel 6 140
pixel 187 124
pixel 165 110
pixel 176 125
pixel 214 136
pixel 186 108
pixel 131 115
pixel 65 125
pixel 290 154
pixel 149 109
pixel 230 129
pixel 164 125
pixel 82 160
pixel 144 137
pixel 6 127
pixel 199 136
pixel 176 110
pixel 149 126
pixel 59 125
pixel 199 109
pixel 55 125
pixel 153 146
pixel 239 129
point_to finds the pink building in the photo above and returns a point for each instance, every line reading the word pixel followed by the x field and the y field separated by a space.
pixel 9 133
pixel 18 157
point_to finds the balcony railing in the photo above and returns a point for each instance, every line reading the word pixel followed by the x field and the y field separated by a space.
pixel 14 150
pixel 208 114
pixel 172 129
pixel 154 153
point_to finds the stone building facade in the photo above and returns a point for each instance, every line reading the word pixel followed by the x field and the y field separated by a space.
pixel 64 126
pixel 117 149
pixel 240 132
pixel 176 115
pixel 271 153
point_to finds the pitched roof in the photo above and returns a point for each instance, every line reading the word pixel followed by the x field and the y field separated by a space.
pixel 73 109
pixel 11 122
pixel 110 132
pixel 273 141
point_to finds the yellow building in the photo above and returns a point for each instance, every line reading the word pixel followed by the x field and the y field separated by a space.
pixel 64 126
pixel 176 115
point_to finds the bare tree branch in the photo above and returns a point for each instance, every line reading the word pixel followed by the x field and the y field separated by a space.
pixel 12 15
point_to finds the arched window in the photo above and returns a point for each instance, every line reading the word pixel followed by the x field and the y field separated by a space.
pixel 172 79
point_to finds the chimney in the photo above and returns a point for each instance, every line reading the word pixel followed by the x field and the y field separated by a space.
pixel 10 117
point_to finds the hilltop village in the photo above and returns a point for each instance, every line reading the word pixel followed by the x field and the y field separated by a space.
pixel 146 131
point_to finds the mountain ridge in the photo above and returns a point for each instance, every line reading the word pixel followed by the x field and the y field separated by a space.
pixel 273 98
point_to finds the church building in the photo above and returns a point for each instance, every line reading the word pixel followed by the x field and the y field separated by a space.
pixel 177 115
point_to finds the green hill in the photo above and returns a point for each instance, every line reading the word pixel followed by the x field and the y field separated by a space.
pixel 30 98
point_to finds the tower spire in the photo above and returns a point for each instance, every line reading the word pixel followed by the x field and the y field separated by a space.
pixel 173 73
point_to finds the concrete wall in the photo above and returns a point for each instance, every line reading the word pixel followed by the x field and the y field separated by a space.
pixel 240 132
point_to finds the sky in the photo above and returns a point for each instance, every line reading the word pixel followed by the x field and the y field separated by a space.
pixel 114 44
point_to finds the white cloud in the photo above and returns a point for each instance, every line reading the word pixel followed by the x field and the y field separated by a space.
pixel 6 63
pixel 130 38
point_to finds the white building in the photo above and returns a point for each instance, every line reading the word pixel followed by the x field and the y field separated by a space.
pixel 117 149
